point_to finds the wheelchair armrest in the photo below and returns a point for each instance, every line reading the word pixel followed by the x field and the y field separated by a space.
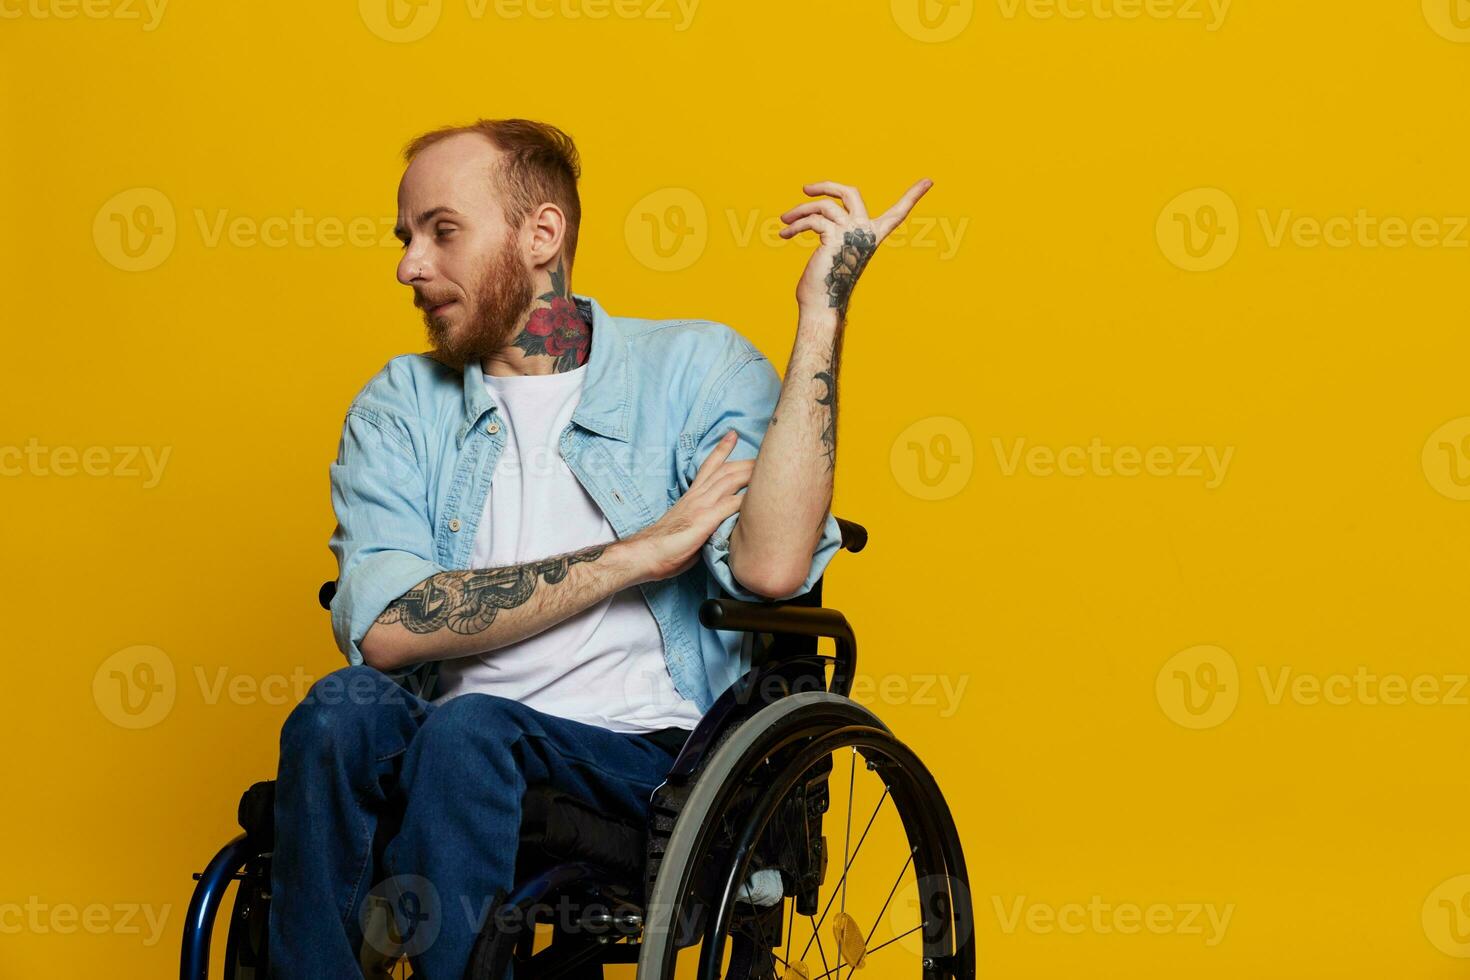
pixel 854 535
pixel 775 617
pixel 257 814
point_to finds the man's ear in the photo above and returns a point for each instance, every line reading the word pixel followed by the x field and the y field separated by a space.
pixel 549 235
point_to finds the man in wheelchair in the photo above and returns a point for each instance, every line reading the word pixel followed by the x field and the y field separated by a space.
pixel 530 518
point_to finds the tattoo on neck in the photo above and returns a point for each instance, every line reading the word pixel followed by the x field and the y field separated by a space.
pixel 467 601
pixel 857 248
pixel 557 329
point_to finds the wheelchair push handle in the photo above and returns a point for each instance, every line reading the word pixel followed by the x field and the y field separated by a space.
pixel 766 617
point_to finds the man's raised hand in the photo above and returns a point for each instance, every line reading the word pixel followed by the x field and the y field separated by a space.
pixel 849 238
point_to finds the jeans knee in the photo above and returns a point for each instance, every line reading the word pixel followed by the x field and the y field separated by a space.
pixel 340 713
pixel 483 727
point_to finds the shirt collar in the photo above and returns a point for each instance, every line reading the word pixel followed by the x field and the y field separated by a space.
pixel 603 405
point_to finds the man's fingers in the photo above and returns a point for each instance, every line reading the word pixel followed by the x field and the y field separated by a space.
pixel 717 456
pixel 710 475
pixel 822 205
pixel 818 223
pixel 727 478
pixel 729 505
pixel 730 482
pixel 849 195
pixel 895 215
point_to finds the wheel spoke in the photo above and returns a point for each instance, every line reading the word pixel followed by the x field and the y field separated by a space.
pixel 848 867
pixel 790 922
pixel 897 937
pixel 851 781
pixel 873 950
pixel 891 892
pixel 819 947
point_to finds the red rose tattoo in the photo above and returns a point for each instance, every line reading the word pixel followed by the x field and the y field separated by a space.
pixel 557 330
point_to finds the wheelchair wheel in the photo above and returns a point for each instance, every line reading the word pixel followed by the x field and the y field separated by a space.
pixel 247 954
pixel 745 889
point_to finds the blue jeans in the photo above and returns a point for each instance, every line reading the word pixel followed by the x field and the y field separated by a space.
pixel 381 793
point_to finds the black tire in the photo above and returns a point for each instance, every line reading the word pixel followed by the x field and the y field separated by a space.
pixel 800 730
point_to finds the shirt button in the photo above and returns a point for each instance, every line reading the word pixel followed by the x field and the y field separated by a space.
pixel 454 524
pixel 493 428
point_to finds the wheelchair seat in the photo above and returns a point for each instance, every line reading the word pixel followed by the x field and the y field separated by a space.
pixel 556 828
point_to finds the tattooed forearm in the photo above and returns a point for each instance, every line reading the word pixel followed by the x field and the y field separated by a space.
pixel 858 246
pixel 468 601
pixel 828 400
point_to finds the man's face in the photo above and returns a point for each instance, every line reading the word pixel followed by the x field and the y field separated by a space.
pixel 465 264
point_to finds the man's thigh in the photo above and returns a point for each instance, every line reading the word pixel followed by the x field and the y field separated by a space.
pixel 479 735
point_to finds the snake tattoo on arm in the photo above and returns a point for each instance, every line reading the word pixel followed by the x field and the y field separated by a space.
pixel 467 602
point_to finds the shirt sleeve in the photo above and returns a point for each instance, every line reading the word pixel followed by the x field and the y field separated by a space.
pixel 384 539
pixel 745 402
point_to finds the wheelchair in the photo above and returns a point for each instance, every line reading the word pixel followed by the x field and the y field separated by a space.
pixel 733 873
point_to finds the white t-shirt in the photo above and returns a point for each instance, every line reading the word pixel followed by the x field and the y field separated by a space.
pixel 605 665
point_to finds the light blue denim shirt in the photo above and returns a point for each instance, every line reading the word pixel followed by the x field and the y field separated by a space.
pixel 421 442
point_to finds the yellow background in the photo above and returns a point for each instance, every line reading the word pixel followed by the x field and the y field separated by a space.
pixel 1335 540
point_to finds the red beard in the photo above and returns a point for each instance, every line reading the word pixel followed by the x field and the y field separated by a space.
pixel 505 293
